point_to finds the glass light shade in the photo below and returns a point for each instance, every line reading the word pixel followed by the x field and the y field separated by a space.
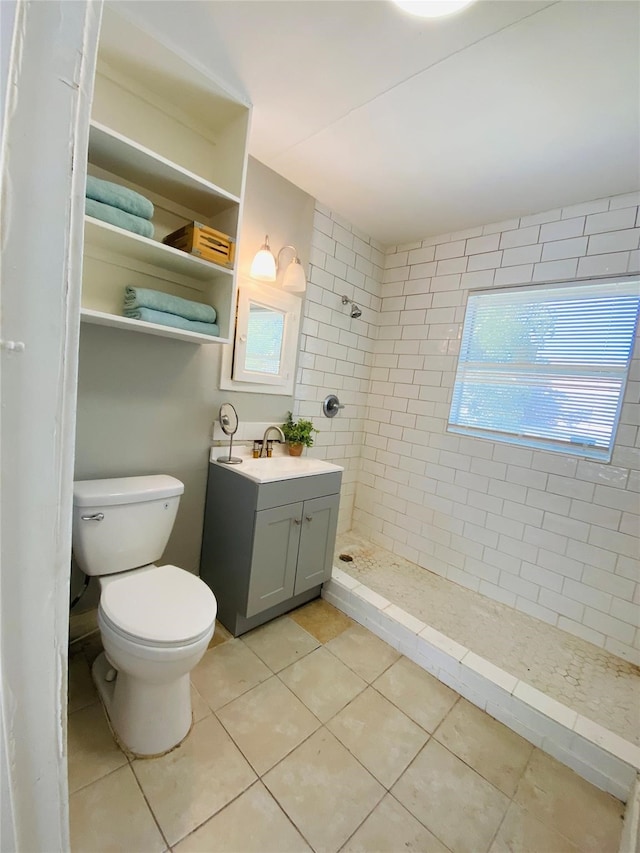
pixel 263 266
pixel 432 8
pixel 294 277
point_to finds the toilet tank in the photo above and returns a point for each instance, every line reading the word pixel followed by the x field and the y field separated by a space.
pixel 120 524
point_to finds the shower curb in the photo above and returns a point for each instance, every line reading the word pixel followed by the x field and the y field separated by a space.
pixel 630 840
pixel 598 755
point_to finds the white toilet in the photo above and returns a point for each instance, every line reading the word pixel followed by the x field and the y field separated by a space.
pixel 156 621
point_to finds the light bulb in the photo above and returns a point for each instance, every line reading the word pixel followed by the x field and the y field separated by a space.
pixel 263 266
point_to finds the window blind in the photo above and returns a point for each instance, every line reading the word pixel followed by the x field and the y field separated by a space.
pixel 265 336
pixel 546 366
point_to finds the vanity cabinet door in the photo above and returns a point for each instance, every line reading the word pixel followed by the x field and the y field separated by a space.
pixel 275 552
pixel 317 540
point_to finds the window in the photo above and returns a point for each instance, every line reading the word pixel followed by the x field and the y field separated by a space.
pixel 265 336
pixel 546 366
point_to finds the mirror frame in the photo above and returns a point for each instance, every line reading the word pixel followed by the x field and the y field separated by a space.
pixel 234 379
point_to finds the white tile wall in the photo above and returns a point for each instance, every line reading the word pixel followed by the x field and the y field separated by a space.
pixel 556 536
pixel 336 352
pixel 551 535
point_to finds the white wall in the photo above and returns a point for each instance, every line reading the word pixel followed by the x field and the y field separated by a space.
pixel 51 77
pixel 7 18
pixel 552 535
pixel 7 826
pixel 147 404
pixel 549 534
pixel 336 352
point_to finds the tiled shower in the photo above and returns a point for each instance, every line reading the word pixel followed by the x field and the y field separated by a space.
pixel 551 535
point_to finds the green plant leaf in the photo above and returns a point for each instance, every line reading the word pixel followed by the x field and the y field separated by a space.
pixel 298 432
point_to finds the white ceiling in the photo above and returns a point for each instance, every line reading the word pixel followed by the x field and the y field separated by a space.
pixel 407 127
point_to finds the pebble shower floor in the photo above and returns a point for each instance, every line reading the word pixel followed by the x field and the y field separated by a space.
pixel 588 679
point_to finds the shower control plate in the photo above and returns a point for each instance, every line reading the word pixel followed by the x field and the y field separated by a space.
pixel 331 406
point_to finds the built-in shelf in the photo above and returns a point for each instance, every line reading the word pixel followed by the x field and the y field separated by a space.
pixel 165 128
pixel 126 244
pixel 112 151
pixel 101 318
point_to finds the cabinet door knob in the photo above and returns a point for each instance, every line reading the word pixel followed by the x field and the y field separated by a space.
pixel 296 521
pixel 309 517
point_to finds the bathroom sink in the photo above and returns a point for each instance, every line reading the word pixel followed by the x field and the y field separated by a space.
pixel 280 466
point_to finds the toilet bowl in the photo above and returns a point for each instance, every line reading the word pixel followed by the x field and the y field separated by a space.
pixel 155 621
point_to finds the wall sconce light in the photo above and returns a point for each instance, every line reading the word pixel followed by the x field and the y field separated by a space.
pixel 294 277
pixel 265 268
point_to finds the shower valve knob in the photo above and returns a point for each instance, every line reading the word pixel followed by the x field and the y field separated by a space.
pixel 331 405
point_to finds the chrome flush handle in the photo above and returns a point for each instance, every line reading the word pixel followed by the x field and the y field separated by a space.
pixel 97 516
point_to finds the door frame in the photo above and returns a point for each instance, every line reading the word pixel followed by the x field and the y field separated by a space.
pixel 43 170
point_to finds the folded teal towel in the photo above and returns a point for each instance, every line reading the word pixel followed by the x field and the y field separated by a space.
pixel 163 319
pixel 117 217
pixel 140 297
pixel 120 197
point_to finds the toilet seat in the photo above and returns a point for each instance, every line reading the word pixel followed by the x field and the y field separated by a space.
pixel 158 606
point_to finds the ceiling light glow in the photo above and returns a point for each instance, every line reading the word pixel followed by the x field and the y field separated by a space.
pixel 432 8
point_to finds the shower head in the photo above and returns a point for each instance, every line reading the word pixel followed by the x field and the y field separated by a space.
pixel 355 311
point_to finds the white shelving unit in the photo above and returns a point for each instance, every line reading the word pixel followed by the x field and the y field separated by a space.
pixel 101 318
pixel 121 156
pixel 126 244
pixel 170 132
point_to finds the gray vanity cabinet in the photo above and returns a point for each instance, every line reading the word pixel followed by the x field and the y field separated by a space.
pixel 317 542
pixel 274 557
pixel 267 547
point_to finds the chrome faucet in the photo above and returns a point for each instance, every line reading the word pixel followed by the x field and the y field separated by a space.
pixel 263 449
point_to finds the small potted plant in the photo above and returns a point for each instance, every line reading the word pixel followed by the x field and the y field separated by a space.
pixel 299 434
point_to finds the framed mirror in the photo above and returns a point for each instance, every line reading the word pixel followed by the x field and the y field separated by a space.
pixel 228 418
pixel 263 357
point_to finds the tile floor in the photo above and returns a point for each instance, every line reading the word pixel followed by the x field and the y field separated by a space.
pixel 588 679
pixel 312 734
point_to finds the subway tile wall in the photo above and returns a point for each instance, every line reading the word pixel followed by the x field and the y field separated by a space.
pixel 554 536
pixel 336 352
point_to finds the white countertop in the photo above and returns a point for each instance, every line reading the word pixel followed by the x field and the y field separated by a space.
pixel 280 466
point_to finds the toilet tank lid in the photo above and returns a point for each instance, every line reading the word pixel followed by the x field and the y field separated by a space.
pixel 125 490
